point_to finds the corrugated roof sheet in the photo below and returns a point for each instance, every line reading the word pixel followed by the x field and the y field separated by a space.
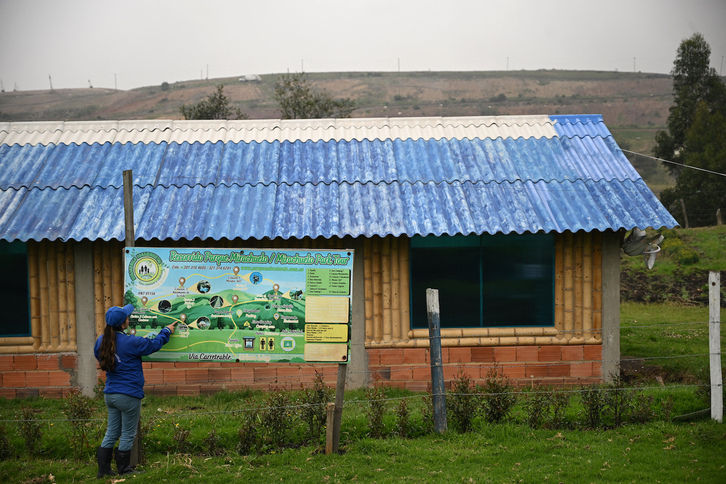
pixel 311 178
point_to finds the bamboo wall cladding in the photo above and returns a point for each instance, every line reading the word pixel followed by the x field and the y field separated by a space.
pixel 108 279
pixel 386 289
pixel 52 296
pixel 577 293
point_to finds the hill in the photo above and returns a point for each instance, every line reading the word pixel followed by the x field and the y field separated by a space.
pixel 634 105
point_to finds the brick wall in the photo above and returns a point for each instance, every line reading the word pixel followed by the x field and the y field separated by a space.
pixel 23 376
pixel 539 365
pixel 53 375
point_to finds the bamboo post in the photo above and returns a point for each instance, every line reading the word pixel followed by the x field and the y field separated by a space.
pixel 437 370
pixel 386 289
pixel 685 214
pixel 714 344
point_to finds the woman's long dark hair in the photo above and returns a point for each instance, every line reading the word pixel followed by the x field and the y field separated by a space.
pixel 108 349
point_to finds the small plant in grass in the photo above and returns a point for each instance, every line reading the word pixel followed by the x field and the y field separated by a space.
pixel 277 418
pixel 181 443
pixel 313 412
pixel 212 444
pixel 78 409
pixel 98 389
pixel 643 409
pixel 376 409
pixel 6 449
pixel 463 403
pixel 498 396
pixel 403 419
pixel 248 436
pixel 618 401
pixel 536 404
pixel 593 407
pixel 427 413
pixel 559 400
pixel 30 431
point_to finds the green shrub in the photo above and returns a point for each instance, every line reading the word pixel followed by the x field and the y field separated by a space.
pixel 277 418
pixel 498 396
pixel 376 409
pixel 6 448
pixel 403 419
pixel 78 410
pixel 30 431
pixel 593 406
pixel 181 440
pixel 313 407
pixel 463 404
pixel 248 436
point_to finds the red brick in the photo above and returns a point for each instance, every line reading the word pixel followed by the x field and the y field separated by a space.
pixel 59 378
pixel 460 355
pixel 505 354
pixel 415 356
pixel 266 375
pixel 219 375
pixel 51 392
pixel 550 353
pixel 374 356
pixel 163 365
pixel 573 353
pixel 14 379
pixel 581 370
pixel 288 373
pixel 48 362
pixel 421 373
pixel 36 379
pixel 537 371
pixel 69 362
pixel 401 373
pixel 162 390
pixel 27 393
pixel 527 353
pixel 174 376
pixel 482 354
pixel 244 376
pixel 558 370
pixel 597 369
pixel 593 352
pixel 513 372
pixel 418 386
pixel 392 356
pixel 188 390
pixel 25 362
pixel 154 377
pixel 6 362
pixel 200 375
pixel 451 372
pixel 211 389
pixel 396 384
pixel 7 392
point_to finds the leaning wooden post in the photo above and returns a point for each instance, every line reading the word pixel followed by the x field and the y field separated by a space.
pixel 332 434
pixel 130 241
pixel 714 344
pixel 437 370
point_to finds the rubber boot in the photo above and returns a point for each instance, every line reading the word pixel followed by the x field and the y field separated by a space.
pixel 104 457
pixel 123 458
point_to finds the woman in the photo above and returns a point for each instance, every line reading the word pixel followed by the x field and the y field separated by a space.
pixel 119 356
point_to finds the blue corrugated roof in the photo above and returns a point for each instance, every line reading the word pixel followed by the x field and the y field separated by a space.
pixel 426 176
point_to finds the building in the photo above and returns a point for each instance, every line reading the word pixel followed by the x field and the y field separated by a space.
pixel 517 220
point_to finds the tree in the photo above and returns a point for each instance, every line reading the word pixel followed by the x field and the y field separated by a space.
pixel 696 136
pixel 693 82
pixel 702 193
pixel 300 100
pixel 216 106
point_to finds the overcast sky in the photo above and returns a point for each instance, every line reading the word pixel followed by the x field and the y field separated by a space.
pixel 133 43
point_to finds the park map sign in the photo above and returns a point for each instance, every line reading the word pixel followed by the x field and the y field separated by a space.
pixel 242 305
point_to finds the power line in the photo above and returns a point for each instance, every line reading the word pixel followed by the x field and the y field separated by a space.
pixel 674 163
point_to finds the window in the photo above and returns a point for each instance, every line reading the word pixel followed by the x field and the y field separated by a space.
pixel 14 293
pixel 484 281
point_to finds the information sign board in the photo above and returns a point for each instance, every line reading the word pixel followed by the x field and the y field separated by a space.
pixel 241 305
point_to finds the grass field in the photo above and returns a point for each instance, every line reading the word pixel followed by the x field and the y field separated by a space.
pixel 194 438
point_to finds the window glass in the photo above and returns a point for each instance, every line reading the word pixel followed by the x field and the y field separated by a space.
pixel 484 281
pixel 14 294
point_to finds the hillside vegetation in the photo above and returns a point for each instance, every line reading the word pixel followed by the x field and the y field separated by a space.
pixel 680 274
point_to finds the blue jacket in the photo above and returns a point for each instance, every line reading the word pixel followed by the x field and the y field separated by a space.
pixel 128 376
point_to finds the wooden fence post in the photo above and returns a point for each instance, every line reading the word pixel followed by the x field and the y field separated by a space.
pixel 714 344
pixel 332 434
pixel 130 241
pixel 437 370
